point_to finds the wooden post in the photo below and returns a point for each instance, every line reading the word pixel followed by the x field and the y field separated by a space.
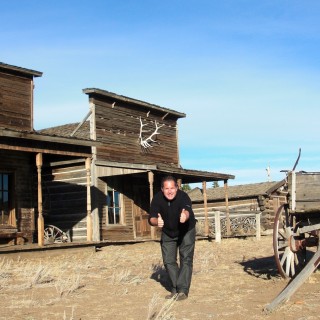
pixel 151 181
pixel 217 223
pixel 89 215
pixel 227 207
pixel 205 203
pixel 39 162
pixel 258 226
pixel 179 182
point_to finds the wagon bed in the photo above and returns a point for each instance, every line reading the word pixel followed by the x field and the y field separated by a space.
pixel 304 192
pixel 296 231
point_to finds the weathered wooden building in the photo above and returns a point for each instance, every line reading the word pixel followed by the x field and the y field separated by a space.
pixel 264 198
pixel 32 162
pixel 138 145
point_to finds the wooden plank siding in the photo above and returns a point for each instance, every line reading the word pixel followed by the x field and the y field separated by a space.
pixel 15 102
pixel 307 186
pixel 118 127
pixel 65 199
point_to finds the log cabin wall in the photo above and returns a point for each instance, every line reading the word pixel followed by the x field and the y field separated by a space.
pixel 19 166
pixel 16 105
pixel 117 125
pixel 65 199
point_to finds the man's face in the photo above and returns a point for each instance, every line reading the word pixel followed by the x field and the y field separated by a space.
pixel 169 190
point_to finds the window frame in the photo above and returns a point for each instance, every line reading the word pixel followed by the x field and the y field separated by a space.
pixel 114 203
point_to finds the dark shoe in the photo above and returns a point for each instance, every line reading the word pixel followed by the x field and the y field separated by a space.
pixel 181 296
pixel 172 294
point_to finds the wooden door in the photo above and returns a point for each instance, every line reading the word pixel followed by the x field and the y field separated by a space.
pixel 140 213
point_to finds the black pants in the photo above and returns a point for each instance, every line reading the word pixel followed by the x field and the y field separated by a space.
pixel 179 276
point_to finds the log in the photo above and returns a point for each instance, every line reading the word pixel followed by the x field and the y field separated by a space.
pixel 293 285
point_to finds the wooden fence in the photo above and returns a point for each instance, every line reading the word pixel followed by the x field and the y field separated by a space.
pixel 241 224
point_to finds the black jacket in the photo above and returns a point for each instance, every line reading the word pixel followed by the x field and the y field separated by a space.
pixel 170 212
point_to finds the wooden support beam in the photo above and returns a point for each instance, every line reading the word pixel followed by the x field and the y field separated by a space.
pixel 89 215
pixel 217 223
pixel 295 283
pixel 151 181
pixel 227 208
pixel 39 163
pixel 205 202
pixel 258 226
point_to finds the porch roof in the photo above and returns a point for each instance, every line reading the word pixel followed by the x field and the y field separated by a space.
pixel 186 175
pixel 192 176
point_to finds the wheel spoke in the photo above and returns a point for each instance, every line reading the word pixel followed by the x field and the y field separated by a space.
pixel 53 234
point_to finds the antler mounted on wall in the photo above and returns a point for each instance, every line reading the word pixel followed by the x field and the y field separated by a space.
pixel 146 143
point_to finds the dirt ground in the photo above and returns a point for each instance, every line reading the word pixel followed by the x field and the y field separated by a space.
pixel 235 279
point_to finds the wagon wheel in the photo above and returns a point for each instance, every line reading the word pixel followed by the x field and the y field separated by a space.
pixel 290 258
pixel 53 234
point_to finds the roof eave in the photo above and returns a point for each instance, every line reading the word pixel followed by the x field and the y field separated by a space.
pixel 108 94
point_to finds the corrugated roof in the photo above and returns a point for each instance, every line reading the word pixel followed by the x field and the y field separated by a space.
pixel 237 191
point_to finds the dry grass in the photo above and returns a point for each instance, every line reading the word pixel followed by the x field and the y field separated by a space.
pixel 231 280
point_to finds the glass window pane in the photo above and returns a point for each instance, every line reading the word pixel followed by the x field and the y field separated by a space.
pixel 6 182
pixel 110 216
pixel 116 199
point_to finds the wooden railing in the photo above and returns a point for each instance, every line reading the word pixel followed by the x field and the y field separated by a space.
pixel 241 224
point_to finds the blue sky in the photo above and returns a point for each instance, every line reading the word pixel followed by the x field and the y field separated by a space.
pixel 245 72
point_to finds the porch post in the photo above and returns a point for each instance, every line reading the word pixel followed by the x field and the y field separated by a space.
pixel 205 203
pixel 39 162
pixel 89 216
pixel 227 207
pixel 151 181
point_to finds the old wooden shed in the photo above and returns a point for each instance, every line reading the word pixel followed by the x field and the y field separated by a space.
pixel 32 162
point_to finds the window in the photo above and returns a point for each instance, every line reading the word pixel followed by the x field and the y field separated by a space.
pixel 4 198
pixel 114 207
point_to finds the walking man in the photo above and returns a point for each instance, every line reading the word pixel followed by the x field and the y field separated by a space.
pixel 171 210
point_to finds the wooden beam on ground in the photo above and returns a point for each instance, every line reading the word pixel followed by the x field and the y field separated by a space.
pixel 295 283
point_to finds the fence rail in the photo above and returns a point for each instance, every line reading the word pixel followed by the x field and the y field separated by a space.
pixel 241 224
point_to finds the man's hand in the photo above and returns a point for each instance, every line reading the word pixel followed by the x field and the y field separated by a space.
pixel 160 221
pixel 184 216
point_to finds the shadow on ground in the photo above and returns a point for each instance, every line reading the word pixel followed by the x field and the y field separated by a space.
pixel 160 275
pixel 264 268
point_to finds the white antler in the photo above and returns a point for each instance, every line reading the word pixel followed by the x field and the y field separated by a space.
pixel 147 142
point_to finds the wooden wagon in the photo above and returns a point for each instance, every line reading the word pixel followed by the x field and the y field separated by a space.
pixel 296 232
